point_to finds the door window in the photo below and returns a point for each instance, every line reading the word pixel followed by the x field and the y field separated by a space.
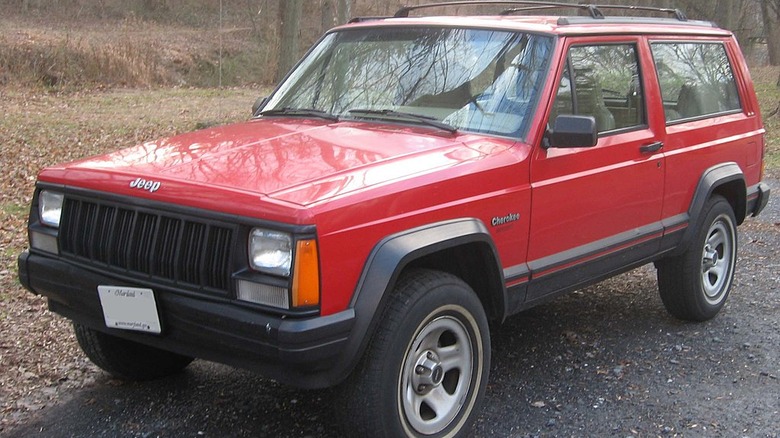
pixel 602 81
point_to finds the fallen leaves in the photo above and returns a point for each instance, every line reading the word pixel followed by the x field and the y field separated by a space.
pixel 39 357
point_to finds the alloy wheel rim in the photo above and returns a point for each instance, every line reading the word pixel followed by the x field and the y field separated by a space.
pixel 436 375
pixel 717 261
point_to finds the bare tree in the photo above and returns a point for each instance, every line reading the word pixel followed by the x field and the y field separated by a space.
pixel 327 15
pixel 770 13
pixel 344 11
pixel 290 17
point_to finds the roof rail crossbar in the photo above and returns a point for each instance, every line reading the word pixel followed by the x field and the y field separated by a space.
pixel 678 14
pixel 526 9
pixel 595 11
pixel 592 9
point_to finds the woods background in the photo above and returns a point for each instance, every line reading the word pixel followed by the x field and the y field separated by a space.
pixel 206 43
pixel 84 77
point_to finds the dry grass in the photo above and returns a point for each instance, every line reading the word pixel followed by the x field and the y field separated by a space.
pixel 39 359
pixel 768 91
pixel 127 53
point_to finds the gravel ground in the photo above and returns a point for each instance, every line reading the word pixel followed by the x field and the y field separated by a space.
pixel 604 361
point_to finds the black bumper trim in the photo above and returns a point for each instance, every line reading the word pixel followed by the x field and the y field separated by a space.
pixel 305 353
pixel 758 198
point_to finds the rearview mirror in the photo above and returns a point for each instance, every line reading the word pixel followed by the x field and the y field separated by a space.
pixel 571 131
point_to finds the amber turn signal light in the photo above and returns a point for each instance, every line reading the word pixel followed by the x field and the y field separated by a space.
pixel 306 280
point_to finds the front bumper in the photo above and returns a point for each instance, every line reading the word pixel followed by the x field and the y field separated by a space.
pixel 306 353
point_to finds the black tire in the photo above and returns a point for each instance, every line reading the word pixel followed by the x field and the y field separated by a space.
pixel 128 360
pixel 432 341
pixel 694 285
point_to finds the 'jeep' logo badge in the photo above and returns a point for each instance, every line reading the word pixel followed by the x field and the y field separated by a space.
pixel 140 183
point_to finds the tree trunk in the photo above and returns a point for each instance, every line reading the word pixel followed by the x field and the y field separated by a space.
pixel 290 19
pixel 770 13
pixel 344 12
pixel 327 15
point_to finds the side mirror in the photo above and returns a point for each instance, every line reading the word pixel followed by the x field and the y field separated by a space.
pixel 259 103
pixel 573 132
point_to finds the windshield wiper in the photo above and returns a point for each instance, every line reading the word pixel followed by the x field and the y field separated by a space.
pixel 300 112
pixel 392 114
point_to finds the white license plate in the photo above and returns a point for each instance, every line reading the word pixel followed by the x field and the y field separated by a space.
pixel 129 308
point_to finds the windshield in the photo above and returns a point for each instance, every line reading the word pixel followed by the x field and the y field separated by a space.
pixel 470 79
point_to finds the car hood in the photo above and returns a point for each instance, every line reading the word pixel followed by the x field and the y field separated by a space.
pixel 291 160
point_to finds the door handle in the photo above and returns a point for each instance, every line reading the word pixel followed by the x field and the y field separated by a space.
pixel 652 147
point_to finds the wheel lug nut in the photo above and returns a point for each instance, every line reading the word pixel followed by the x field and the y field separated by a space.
pixel 420 369
pixel 430 355
pixel 421 388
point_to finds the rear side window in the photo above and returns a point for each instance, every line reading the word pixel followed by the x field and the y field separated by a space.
pixel 696 80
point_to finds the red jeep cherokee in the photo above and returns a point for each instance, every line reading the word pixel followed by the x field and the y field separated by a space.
pixel 409 181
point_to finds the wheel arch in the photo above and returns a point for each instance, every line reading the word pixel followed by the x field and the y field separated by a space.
pixel 462 247
pixel 726 180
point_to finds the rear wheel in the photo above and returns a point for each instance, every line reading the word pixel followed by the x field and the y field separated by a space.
pixel 128 360
pixel 694 285
pixel 427 366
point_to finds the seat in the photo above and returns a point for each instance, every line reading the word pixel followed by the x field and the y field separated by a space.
pixel 590 102
pixel 695 101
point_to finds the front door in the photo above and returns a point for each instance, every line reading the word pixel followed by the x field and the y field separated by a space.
pixel 592 207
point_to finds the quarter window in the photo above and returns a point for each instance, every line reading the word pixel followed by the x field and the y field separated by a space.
pixel 602 81
pixel 696 80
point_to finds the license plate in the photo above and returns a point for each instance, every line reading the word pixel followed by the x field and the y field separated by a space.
pixel 129 308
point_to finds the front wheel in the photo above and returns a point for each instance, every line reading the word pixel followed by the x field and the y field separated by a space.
pixel 694 285
pixel 426 368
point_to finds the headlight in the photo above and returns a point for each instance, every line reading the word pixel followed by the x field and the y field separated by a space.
pixel 50 208
pixel 270 251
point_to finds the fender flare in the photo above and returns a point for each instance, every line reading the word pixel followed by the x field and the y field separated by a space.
pixel 389 258
pixel 712 179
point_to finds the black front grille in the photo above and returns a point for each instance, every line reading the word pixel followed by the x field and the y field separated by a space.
pixel 187 252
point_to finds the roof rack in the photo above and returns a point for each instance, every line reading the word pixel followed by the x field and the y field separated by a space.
pixel 593 11
pixel 678 14
pixel 526 5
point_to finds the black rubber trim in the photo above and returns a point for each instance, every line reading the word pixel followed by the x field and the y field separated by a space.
pixel 674 228
pixel 389 258
pixel 517 272
pixel 302 352
pixel 588 264
pixel 24 277
pixel 591 271
pixel 710 180
pixel 758 198
pixel 548 265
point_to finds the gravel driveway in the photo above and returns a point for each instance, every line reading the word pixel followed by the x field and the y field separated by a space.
pixel 604 361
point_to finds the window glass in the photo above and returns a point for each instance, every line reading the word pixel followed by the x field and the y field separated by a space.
pixel 696 79
pixel 605 85
pixel 472 79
